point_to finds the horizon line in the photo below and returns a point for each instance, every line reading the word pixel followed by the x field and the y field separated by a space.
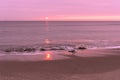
pixel 63 20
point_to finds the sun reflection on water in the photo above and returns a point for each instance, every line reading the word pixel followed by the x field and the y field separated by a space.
pixel 48 55
pixel 47 41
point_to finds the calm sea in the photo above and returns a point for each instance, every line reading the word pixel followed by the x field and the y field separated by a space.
pixel 92 34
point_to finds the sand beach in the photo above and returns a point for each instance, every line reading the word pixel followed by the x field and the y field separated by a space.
pixel 102 64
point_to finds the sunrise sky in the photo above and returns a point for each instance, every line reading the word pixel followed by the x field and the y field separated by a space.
pixel 83 10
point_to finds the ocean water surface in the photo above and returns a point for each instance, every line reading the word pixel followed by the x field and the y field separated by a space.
pixel 91 34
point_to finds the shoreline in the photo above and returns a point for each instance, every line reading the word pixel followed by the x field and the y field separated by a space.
pixel 58 55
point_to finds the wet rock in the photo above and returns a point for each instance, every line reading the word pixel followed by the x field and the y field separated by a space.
pixel 61 49
pixel 42 49
pixel 8 50
pixel 29 49
pixel 19 50
pixel 82 48
pixel 72 51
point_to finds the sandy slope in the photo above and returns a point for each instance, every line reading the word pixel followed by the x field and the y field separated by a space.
pixel 78 67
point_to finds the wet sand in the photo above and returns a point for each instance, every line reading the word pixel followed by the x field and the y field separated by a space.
pixel 85 65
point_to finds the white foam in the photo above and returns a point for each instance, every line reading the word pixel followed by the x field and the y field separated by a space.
pixel 112 47
pixel 24 53
pixel 109 47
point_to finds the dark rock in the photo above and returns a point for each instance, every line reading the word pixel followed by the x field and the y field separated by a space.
pixel 9 50
pixel 61 49
pixel 54 49
pixel 72 51
pixel 19 50
pixel 42 49
pixel 82 48
pixel 29 49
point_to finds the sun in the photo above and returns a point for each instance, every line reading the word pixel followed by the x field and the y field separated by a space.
pixel 46 18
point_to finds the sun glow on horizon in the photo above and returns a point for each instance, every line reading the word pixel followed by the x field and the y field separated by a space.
pixel 46 18
pixel 83 18
pixel 93 18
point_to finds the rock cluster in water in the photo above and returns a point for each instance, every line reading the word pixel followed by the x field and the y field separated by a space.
pixel 20 50
pixel 69 48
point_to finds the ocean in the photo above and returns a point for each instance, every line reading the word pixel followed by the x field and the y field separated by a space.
pixel 91 34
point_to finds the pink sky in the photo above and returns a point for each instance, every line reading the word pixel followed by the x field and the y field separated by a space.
pixel 60 9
